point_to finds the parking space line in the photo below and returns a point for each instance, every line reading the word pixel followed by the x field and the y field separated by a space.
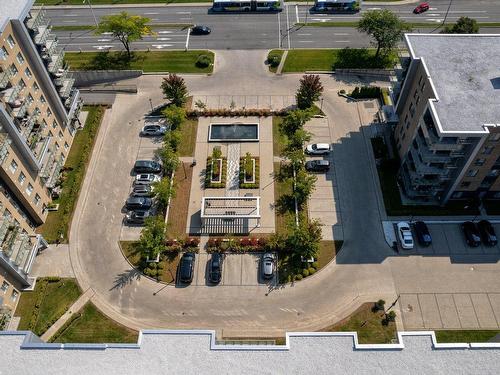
pixel 492 309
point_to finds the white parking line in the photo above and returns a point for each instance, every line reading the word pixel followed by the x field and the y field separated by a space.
pixel 183 12
pixel 104 40
pixel 341 34
pixel 342 41
pixel 279 30
pixel 297 12
pixel 160 46
pixel 151 13
pixel 162 39
pixel 304 34
pixel 165 32
pixel 187 38
pixel 288 27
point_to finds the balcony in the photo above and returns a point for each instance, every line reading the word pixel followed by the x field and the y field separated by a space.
pixel 5 141
pixel 57 61
pixel 5 77
pixel 55 172
pixel 11 96
pixel 67 87
pixel 22 111
pixel 36 20
pixel 42 34
pixel 26 125
pixel 39 145
pixel 47 163
pixel 50 48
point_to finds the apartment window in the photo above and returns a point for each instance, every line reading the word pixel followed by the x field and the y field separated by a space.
pixel 29 189
pixel 14 69
pixel 488 150
pixel 472 172
pixel 57 146
pixel 422 88
pixel 66 146
pixel 412 109
pixel 420 80
pixel 50 134
pixel 465 184
pixel 13 166
pixel 36 87
pixel 10 41
pixel 20 58
pixel 30 99
pixel 5 286
pixel 417 100
pixel 22 83
pixel 37 199
pixel 28 73
pixel 54 124
pixel 3 53
pixel 21 178
pixel 14 295
pixel 49 112
pixel 42 99
pixel 493 173
pixel 60 134
pixel 479 162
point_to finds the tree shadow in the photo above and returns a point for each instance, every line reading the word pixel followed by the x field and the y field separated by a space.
pixel 285 203
pixel 113 61
pixel 361 58
pixel 125 278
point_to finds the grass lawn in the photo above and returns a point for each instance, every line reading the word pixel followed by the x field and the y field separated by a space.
pixel 57 224
pixel 188 137
pixel 178 212
pixel 300 60
pixel 278 138
pixel 274 52
pixel 113 2
pixel 53 299
pixel 154 61
pixel 284 212
pixel 89 325
pixel 327 251
pixel 367 324
pixel 466 336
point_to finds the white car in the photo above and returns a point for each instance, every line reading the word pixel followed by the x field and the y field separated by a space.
pixel 318 149
pixel 146 178
pixel 154 130
pixel 405 236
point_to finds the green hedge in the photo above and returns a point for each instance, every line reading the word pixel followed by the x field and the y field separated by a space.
pixel 215 185
pixel 253 185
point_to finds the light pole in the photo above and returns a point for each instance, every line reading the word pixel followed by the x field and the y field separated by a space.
pixel 151 104
pixel 92 10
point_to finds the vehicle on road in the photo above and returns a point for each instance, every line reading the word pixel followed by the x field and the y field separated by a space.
pixel 154 130
pixel 317 165
pixel 200 30
pixel 138 217
pixel 147 166
pixel 142 191
pixel 318 149
pixel 186 267
pixel 422 232
pixel 138 203
pixel 246 6
pixel 471 233
pixel 405 236
pixel 215 268
pixel 146 178
pixel 487 233
pixel 421 8
pixel 335 6
pixel 268 265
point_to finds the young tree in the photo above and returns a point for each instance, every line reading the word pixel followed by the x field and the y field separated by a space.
pixel 152 237
pixel 163 191
pixel 175 116
pixel 174 88
pixel 304 186
pixel 464 25
pixel 303 240
pixel 385 27
pixel 125 27
pixel 309 91
pixel 294 121
pixel 168 157
pixel 298 139
pixel 172 138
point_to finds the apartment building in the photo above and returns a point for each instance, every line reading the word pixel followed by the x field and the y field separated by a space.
pixel 38 114
pixel 448 105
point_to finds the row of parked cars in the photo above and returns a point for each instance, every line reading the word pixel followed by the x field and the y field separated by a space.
pixel 474 234
pixel 317 149
pixel 186 267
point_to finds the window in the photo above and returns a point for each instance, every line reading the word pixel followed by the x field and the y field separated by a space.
pixel 479 162
pixel 54 124
pixel 29 189
pixel 415 94
pixel 14 69
pixel 5 286
pixel 57 146
pixel 465 184
pixel 21 178
pixel 13 166
pixel 420 80
pixel 60 134
pixel 66 146
pixel 472 172
pixel 22 84
pixel 37 199
pixel 20 58
pixel 493 173
pixel 423 86
pixel 36 87
pixel 3 53
pixel 457 194
pixel 488 150
pixel 14 295
pixel 49 112
pixel 10 41
pixel 412 109
pixel 28 73
pixel 42 99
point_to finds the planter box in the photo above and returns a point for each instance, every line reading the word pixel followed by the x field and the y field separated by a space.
pixel 219 179
pixel 218 183
pixel 53 208
pixel 254 182
pixel 246 180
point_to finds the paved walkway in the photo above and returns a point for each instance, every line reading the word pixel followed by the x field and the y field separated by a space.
pixel 53 261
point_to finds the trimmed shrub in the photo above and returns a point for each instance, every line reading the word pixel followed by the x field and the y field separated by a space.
pixel 203 61
pixel 298 277
pixel 315 265
pixel 274 60
pixel 311 271
pixel 366 92
pixel 305 272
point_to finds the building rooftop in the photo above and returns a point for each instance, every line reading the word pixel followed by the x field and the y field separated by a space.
pixel 13 9
pixel 465 72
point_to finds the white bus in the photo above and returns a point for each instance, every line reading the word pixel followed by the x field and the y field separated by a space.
pixel 336 6
pixel 246 6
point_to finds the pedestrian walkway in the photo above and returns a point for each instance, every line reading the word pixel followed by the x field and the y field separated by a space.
pixel 233 170
pixel 53 261
pixel 282 62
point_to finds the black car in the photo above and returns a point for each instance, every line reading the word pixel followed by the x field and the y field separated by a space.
pixel 423 236
pixel 487 233
pixel 147 166
pixel 215 268
pixel 138 203
pixel 200 30
pixel 138 217
pixel 471 234
pixel 186 267
pixel 317 165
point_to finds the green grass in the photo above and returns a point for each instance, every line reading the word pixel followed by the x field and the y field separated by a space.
pixel 113 2
pixel 53 299
pixel 274 52
pixel 278 138
pixel 284 211
pixel 89 325
pixel 414 25
pixel 188 131
pixel 368 325
pixel 92 27
pixel 57 224
pixel 300 60
pixel 327 251
pixel 131 251
pixel 154 61
pixel 467 336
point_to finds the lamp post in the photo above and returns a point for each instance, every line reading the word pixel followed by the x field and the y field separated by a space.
pixel 151 104
pixel 92 10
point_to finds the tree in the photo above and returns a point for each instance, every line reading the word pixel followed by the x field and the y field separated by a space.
pixel 152 237
pixel 298 139
pixel 464 25
pixel 295 156
pixel 125 27
pixel 173 139
pixel 294 120
pixel 385 27
pixel 163 191
pixel 303 240
pixel 168 157
pixel 304 186
pixel 309 91
pixel 175 116
pixel 174 88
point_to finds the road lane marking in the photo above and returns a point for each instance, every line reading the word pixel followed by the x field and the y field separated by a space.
pixel 69 15
pixel 104 40
pixel 160 46
pixel 305 41
pixel 72 21
pixel 165 32
pixel 161 39
pixel 151 13
pixel 304 34
pixel 342 41
pixel 102 47
pixel 187 38
pixel 374 9
pixel 183 12
pixel 279 30
pixel 341 34
pixel 185 18
pixel 297 12
pixel 288 27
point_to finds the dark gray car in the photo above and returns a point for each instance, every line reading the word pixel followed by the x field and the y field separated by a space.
pixel 317 165
pixel 138 203
pixel 268 266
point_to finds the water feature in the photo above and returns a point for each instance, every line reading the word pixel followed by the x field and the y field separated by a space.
pixel 234 133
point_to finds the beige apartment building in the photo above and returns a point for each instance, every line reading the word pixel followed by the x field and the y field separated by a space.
pixel 38 117
pixel 448 105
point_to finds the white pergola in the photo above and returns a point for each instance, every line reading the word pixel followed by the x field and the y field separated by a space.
pixel 230 208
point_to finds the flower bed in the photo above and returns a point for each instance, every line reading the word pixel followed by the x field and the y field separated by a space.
pixel 249 177
pixel 219 180
pixel 227 112
pixel 236 245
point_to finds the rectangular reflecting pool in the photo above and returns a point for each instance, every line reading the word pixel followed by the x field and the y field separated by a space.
pixel 233 133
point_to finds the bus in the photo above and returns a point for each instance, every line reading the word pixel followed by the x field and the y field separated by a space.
pixel 246 6
pixel 336 6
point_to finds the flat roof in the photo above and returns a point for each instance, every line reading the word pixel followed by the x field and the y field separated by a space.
pixel 13 9
pixel 230 207
pixel 465 73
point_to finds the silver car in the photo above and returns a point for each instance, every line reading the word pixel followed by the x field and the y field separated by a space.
pixel 154 130
pixel 268 265
pixel 146 178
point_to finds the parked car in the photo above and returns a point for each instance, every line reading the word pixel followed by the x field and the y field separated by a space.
pixel 215 268
pixel 138 203
pixel 154 130
pixel 421 8
pixel 138 217
pixel 146 178
pixel 186 267
pixel 318 149
pixel 405 236
pixel 200 30
pixel 147 166
pixel 268 265
pixel 423 236
pixel 142 191
pixel 317 165
pixel 487 232
pixel 471 233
